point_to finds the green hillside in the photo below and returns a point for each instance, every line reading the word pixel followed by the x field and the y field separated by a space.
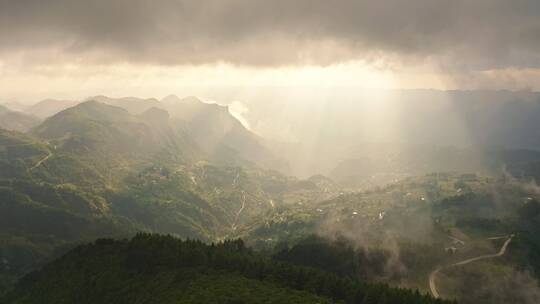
pixel 95 170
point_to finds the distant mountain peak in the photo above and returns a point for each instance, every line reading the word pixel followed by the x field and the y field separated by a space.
pixel 174 99
pixel 97 97
pixel 156 115
pixel 15 120
pixel 95 110
pixel 107 99
pixel 15 106
pixel 49 107
pixel 170 99
pixel 133 105
pixel 90 103
pixel 191 99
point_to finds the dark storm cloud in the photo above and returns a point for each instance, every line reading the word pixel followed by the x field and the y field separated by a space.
pixel 479 34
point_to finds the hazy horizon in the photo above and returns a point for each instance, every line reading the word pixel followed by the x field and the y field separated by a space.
pixel 69 49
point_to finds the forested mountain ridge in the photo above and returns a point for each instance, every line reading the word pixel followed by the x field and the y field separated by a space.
pixel 162 269
pixel 108 132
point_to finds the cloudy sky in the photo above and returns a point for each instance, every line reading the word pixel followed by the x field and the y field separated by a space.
pixel 69 48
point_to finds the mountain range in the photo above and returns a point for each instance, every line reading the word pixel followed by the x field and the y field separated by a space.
pixel 109 168
pixel 215 131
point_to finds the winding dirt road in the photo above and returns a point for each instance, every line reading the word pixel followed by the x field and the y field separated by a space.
pixel 41 161
pixel 236 179
pixel 433 274
pixel 239 211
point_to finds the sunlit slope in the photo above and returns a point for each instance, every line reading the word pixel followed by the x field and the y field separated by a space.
pixel 112 141
pixel 210 126
pixel 215 201
pixel 145 171
pixel 74 180
pixel 92 127
pixel 221 135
